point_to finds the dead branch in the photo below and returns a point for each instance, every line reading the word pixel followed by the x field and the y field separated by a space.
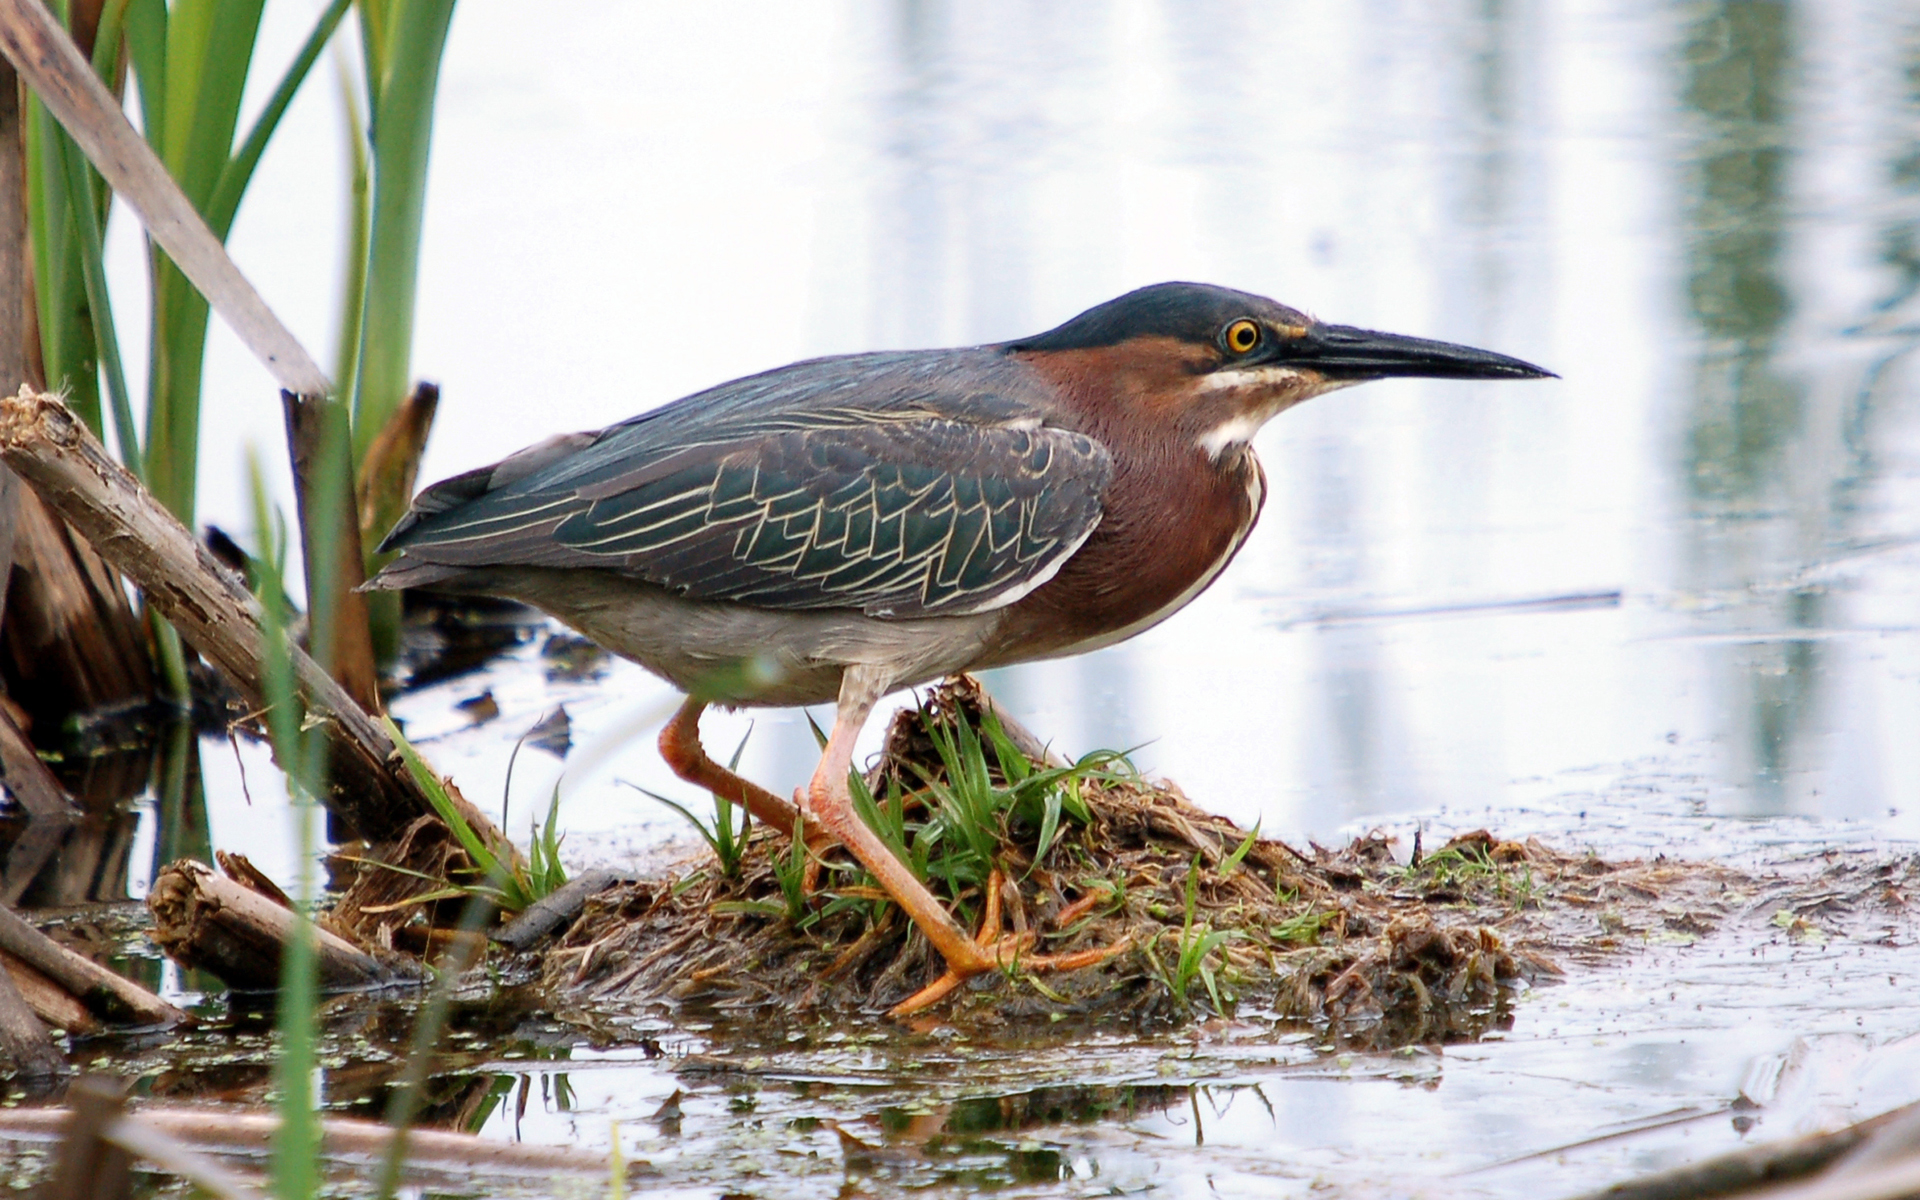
pixel 53 1004
pixel 560 907
pixel 230 1131
pixel 203 919
pixel 55 453
pixel 26 1047
pixel 104 993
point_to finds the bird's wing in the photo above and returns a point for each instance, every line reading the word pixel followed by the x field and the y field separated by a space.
pixel 901 501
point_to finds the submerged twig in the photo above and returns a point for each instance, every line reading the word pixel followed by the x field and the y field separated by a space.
pixel 230 1131
pixel 104 993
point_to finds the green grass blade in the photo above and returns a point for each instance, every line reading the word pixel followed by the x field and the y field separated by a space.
pixel 209 51
pixel 106 40
pixel 86 222
pixel 147 23
pixel 1232 861
pixel 888 825
pixel 406 76
pixel 1049 829
pixel 66 323
pixel 790 871
pixel 819 734
pixel 484 859
pixel 353 296
pixel 231 184
pixel 707 835
pixel 296 1143
pixel 1014 763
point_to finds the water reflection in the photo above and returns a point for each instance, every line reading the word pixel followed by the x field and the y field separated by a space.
pixel 1739 79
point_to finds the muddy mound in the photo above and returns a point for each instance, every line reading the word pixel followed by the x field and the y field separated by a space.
pixel 1208 917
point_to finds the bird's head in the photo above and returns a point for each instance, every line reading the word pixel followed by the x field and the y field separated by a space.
pixel 1217 364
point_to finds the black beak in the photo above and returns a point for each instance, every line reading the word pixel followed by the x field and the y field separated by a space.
pixel 1343 352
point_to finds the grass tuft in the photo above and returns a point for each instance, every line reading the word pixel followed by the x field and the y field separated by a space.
pixel 505 880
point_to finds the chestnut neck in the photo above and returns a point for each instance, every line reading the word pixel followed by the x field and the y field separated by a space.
pixel 1173 513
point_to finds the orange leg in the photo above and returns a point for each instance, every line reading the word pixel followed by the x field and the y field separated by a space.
pixel 680 746
pixel 830 804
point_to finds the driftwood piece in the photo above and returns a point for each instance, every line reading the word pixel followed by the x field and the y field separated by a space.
pixel 557 908
pixel 53 451
pixel 53 1004
pixel 227 1130
pixel 26 1047
pixel 203 919
pixel 1756 1167
pixel 104 993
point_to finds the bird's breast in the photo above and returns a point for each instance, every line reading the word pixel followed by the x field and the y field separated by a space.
pixel 1171 521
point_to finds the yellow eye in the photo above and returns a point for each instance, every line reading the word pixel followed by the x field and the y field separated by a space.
pixel 1242 336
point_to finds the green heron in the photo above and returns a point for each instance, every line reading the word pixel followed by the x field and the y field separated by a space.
pixel 845 527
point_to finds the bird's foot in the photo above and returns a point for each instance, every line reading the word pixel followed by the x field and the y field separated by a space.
pixel 998 950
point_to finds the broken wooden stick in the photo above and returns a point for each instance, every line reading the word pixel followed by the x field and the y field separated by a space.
pixel 226 1130
pixel 100 1142
pixel 26 1046
pixel 557 909
pixel 53 1004
pixel 204 919
pixel 57 455
pixel 105 994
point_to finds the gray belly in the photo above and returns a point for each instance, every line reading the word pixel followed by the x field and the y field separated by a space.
pixel 733 654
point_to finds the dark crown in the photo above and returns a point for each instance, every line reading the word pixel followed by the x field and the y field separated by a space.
pixel 1188 312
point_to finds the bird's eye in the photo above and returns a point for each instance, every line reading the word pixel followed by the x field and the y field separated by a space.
pixel 1242 336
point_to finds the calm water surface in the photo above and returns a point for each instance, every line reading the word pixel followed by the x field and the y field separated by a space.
pixel 1687 568
pixel 1695 554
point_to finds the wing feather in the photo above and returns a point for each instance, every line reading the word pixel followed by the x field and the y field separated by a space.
pixel 903 497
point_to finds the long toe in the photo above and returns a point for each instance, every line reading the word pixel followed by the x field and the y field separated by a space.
pixel 1008 953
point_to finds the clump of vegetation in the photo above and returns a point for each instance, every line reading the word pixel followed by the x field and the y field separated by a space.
pixel 1217 920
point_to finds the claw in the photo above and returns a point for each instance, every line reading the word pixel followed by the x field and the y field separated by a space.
pixel 1005 951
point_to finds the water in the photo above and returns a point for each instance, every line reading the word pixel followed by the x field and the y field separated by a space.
pixel 1683 573
pixel 1695 553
